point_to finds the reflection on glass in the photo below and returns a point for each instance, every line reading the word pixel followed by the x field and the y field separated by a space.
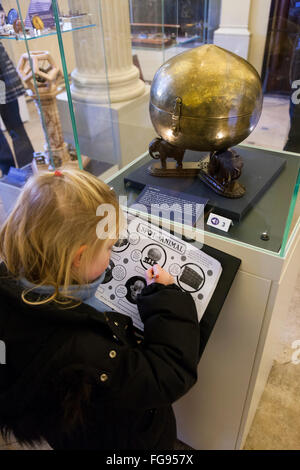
pixel 281 79
pixel 161 24
pixel 39 21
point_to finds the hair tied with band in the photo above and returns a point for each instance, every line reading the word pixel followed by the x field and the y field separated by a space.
pixel 58 173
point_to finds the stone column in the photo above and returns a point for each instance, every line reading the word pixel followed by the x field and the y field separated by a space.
pixel 104 67
pixel 233 33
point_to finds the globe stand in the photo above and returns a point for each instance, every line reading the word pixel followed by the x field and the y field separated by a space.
pixel 188 170
pixel 219 170
pixel 160 149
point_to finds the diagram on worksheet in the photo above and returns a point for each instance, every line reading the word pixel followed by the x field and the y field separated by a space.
pixel 144 245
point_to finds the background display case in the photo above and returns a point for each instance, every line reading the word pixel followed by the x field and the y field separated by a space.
pixel 161 29
pixel 103 87
pixel 56 37
pixel 184 22
pixel 106 53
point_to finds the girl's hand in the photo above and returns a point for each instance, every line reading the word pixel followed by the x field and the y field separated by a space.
pixel 158 275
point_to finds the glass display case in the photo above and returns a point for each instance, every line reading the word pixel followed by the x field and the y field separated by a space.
pixel 102 93
pixel 185 22
pixel 92 99
pixel 44 52
pixel 269 220
pixel 161 29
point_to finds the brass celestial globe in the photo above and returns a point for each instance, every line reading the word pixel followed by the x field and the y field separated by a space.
pixel 205 99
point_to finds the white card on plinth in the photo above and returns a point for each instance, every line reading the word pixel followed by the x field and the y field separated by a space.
pixel 219 222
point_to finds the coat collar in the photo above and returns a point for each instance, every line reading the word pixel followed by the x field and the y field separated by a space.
pixel 83 292
pixel 52 313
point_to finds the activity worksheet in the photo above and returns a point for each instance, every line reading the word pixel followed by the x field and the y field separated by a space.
pixel 143 246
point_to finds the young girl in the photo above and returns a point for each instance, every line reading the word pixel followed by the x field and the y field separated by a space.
pixel 76 373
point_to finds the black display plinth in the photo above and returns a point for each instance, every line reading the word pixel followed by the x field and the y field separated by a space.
pixel 257 175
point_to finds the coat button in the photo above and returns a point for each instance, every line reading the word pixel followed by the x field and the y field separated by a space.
pixel 103 377
pixel 116 323
pixel 112 353
pixel 115 337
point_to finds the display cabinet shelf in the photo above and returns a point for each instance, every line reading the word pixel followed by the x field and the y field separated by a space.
pixel 38 35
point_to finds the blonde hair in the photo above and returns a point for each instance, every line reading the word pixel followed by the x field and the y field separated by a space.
pixel 53 217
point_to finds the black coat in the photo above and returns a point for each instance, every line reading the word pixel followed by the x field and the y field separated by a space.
pixel 82 379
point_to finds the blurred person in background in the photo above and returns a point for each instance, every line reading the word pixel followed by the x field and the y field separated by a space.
pixel 9 111
pixel 293 140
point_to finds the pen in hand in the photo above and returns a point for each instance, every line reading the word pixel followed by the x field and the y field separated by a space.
pixel 156 274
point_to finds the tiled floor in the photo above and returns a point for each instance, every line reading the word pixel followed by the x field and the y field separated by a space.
pixel 276 423
pixel 273 127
